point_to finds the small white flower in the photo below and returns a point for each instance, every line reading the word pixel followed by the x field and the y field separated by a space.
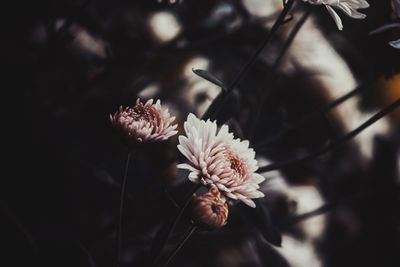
pixel 217 159
pixel 349 7
pixel 145 122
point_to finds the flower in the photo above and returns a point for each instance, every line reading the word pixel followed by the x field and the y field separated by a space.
pixel 219 159
pixel 145 122
pixel 349 7
pixel 210 211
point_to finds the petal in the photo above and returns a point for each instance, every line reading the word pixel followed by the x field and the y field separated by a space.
pixel 185 166
pixel 249 202
pixel 395 44
pixel 184 152
pixel 335 17
pixel 351 12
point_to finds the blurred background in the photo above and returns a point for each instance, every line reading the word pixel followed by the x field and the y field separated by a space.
pixel 68 65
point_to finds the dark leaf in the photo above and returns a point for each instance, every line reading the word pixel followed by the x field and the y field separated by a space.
pixel 261 219
pixel 268 255
pixel 209 77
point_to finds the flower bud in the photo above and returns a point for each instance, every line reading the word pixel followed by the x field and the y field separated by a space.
pixel 210 211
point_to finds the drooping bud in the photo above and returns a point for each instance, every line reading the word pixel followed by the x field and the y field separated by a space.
pixel 209 211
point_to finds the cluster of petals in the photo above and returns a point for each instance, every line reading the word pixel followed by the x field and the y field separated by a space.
pixel 218 159
pixel 349 7
pixel 210 211
pixel 145 122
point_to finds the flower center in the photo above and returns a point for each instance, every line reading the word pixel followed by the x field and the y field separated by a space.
pixel 235 163
pixel 146 113
pixel 215 207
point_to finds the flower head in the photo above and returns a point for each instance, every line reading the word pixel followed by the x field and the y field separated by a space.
pixel 349 7
pixel 145 122
pixel 210 211
pixel 219 159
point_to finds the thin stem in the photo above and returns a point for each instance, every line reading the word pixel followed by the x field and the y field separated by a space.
pixel 180 244
pixel 29 238
pixel 174 224
pixel 278 61
pixel 121 210
pixel 259 146
pixel 338 142
pixel 266 40
pixel 218 101
pixel 354 199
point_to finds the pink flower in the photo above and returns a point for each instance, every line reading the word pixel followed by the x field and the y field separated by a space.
pixel 145 122
pixel 219 159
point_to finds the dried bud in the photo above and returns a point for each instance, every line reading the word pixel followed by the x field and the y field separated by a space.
pixel 209 210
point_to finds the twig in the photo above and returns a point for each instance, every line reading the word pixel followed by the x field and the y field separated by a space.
pixel 354 199
pixel 215 106
pixel 171 229
pixel 259 146
pixel 278 61
pixel 180 244
pixel 121 210
pixel 29 238
pixel 335 144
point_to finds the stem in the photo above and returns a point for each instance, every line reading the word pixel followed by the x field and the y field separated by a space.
pixel 121 210
pixel 171 229
pixel 218 101
pixel 347 201
pixel 180 245
pixel 308 118
pixel 343 139
pixel 266 40
pixel 278 61
pixel 21 228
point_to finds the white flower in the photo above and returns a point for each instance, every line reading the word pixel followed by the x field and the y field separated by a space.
pixel 349 7
pixel 145 122
pixel 219 159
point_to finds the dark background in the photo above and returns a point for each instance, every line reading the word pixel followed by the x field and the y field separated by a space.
pixel 60 184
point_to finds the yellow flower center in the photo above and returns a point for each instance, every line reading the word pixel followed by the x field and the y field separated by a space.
pixel 235 163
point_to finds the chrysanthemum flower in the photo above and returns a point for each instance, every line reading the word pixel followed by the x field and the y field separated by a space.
pixel 209 211
pixel 145 122
pixel 219 159
pixel 349 7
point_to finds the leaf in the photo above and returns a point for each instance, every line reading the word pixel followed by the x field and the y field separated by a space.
pixel 268 255
pixel 209 77
pixel 260 218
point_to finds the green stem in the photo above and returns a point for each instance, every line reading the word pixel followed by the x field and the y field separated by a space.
pixel 336 143
pixel 180 244
pixel 277 63
pixel 219 100
pixel 171 229
pixel 121 210
pixel 308 118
